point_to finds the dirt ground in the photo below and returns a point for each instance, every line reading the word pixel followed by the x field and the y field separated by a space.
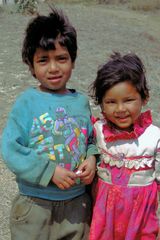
pixel 101 30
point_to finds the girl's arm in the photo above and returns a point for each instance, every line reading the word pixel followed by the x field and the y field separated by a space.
pixel 157 165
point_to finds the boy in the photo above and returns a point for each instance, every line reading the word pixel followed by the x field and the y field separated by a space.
pixel 47 142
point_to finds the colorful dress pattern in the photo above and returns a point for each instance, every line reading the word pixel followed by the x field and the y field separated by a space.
pixel 128 177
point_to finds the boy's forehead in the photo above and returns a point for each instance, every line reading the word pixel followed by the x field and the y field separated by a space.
pixel 57 48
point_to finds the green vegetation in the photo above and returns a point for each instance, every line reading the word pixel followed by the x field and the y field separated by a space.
pixel 27 6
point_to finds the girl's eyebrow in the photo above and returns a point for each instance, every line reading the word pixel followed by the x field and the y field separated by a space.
pixel 110 98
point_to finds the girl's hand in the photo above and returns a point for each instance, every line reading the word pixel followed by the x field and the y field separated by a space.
pixel 87 170
pixel 63 178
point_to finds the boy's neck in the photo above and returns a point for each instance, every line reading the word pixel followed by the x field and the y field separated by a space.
pixel 41 88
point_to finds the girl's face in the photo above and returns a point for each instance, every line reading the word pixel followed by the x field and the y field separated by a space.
pixel 122 105
pixel 52 68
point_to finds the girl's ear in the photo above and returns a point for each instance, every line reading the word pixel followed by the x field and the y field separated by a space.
pixel 145 101
pixel 102 109
pixel 73 65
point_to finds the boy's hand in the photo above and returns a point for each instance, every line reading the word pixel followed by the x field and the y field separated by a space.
pixel 63 178
pixel 88 169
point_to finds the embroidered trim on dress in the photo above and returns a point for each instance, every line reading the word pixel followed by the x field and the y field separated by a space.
pixel 144 121
pixel 121 161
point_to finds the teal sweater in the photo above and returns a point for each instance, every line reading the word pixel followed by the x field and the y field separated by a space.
pixel 45 130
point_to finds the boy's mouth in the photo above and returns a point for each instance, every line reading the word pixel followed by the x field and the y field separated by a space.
pixel 55 78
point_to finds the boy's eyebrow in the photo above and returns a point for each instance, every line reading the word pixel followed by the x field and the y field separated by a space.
pixel 42 56
pixel 39 54
pixel 62 54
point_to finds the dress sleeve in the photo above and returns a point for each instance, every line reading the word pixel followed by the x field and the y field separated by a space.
pixel 157 165
pixel 22 160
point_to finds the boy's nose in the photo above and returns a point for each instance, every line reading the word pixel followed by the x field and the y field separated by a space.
pixel 53 66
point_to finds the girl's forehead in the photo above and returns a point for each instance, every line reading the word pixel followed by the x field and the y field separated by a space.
pixel 122 89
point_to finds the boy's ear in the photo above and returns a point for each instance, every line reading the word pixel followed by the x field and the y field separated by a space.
pixel 32 71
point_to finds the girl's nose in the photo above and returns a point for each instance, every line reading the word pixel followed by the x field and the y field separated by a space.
pixel 120 107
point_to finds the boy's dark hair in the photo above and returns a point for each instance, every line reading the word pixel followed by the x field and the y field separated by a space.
pixel 120 69
pixel 43 31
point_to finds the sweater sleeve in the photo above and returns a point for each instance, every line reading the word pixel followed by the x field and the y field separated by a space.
pixel 22 160
pixel 92 148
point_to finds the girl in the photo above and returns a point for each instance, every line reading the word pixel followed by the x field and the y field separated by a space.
pixel 129 170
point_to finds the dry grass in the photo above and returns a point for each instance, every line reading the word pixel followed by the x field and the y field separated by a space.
pixel 112 1
pixel 72 1
pixel 144 5
pixel 147 5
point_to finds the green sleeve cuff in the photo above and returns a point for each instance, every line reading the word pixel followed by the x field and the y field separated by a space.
pixel 48 173
pixel 92 150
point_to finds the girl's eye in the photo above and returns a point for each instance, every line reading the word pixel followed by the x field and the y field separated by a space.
pixel 109 102
pixel 130 100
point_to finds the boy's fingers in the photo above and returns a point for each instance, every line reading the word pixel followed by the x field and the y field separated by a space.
pixel 60 186
pixel 70 181
pixel 64 185
pixel 72 175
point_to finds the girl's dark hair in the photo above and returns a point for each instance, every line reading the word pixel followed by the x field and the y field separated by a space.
pixel 120 69
pixel 43 31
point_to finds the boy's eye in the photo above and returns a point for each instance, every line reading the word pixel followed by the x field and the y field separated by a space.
pixel 42 60
pixel 63 58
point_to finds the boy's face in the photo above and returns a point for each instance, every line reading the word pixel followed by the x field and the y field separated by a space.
pixel 52 68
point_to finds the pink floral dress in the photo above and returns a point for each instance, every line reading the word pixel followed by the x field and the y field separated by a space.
pixel 126 198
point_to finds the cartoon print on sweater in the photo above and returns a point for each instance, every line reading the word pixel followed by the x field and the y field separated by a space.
pixel 61 138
